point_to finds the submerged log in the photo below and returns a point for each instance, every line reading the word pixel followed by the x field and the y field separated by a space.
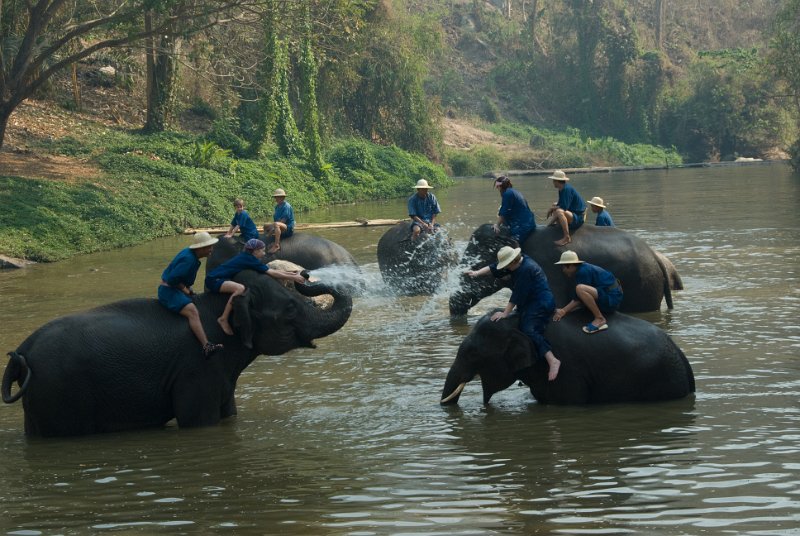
pixel 359 222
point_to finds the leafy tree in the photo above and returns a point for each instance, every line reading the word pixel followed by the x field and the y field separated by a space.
pixel 41 38
pixel 785 58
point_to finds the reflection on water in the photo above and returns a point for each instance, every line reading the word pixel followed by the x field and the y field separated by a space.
pixel 349 437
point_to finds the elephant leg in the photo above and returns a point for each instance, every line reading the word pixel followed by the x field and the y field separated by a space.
pixel 229 408
pixel 196 405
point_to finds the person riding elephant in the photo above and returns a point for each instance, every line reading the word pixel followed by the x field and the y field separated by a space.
pixel 569 210
pixel 514 212
pixel 640 270
pixel 132 364
pixel 635 362
pixel 414 267
pixel 423 207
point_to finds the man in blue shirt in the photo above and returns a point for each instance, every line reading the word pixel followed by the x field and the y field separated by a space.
pixel 175 291
pixel 532 297
pixel 242 222
pixel 283 218
pixel 595 288
pixel 514 211
pixel 569 210
pixel 603 217
pixel 423 208
pixel 220 278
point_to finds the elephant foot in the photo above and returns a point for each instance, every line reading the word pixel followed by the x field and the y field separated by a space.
pixel 225 325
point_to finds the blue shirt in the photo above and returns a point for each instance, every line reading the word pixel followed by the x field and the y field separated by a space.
pixel 568 199
pixel 594 276
pixel 284 212
pixel 516 214
pixel 604 219
pixel 247 227
pixel 425 208
pixel 182 269
pixel 529 286
pixel 228 269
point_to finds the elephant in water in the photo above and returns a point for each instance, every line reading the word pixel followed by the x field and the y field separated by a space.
pixel 134 364
pixel 646 279
pixel 634 361
pixel 307 250
pixel 415 266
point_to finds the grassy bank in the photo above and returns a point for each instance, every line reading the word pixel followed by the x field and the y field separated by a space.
pixel 518 146
pixel 157 185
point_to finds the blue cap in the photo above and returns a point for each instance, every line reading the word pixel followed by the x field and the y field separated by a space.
pixel 254 244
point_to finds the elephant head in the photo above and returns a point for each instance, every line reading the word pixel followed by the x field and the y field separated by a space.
pixel 633 361
pixel 414 267
pixel 481 250
pixel 274 320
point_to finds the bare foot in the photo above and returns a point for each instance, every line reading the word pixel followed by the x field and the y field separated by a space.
pixel 274 248
pixel 554 366
pixel 226 327
pixel 563 242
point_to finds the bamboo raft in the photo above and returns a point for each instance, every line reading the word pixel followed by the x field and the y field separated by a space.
pixel 358 222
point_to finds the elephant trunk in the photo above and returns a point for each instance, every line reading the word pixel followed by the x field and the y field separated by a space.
pixel 457 378
pixel 323 322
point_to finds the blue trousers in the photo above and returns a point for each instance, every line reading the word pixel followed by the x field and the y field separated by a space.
pixel 532 322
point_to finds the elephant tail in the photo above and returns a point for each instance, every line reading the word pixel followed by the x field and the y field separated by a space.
pixel 15 370
pixel 667 285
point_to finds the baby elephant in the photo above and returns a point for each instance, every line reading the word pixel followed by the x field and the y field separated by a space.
pixel 633 361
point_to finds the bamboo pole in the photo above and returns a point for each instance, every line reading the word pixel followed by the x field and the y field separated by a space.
pixel 360 222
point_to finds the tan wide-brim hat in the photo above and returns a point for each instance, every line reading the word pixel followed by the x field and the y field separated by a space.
pixel 597 201
pixel 558 175
pixel 422 183
pixel 203 239
pixel 279 193
pixel 569 257
pixel 506 256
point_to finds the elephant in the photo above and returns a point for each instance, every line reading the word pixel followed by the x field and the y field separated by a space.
pixel 134 364
pixel 307 250
pixel 414 267
pixel 645 278
pixel 633 361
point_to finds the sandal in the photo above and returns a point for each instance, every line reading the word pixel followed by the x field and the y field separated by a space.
pixel 210 348
pixel 591 328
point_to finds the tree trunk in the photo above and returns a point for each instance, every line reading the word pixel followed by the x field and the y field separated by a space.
pixel 659 23
pixel 162 85
pixel 4 115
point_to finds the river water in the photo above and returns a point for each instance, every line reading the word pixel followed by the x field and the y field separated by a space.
pixel 349 438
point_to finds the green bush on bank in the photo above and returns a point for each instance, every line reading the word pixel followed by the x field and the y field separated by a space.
pixel 553 150
pixel 153 186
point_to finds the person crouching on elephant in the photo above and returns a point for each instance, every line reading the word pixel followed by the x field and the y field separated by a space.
pixel 175 291
pixel 514 211
pixel 423 208
pixel 569 210
pixel 283 221
pixel 242 222
pixel 220 278
pixel 603 217
pixel 595 288
pixel 532 297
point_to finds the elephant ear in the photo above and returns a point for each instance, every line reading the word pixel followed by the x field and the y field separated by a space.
pixel 243 319
pixel 501 374
pixel 520 353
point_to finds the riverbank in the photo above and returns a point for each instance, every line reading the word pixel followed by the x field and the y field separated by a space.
pixel 621 169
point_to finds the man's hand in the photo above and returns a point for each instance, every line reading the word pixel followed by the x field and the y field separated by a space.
pixel 498 315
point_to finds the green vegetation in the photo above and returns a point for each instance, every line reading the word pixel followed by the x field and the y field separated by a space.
pixel 538 148
pixel 157 185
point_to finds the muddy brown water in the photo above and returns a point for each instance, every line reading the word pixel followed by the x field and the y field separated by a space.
pixel 349 438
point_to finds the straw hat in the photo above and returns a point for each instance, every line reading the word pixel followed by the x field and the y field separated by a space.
pixel 569 257
pixel 422 183
pixel 279 193
pixel 203 239
pixel 506 256
pixel 597 201
pixel 558 175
